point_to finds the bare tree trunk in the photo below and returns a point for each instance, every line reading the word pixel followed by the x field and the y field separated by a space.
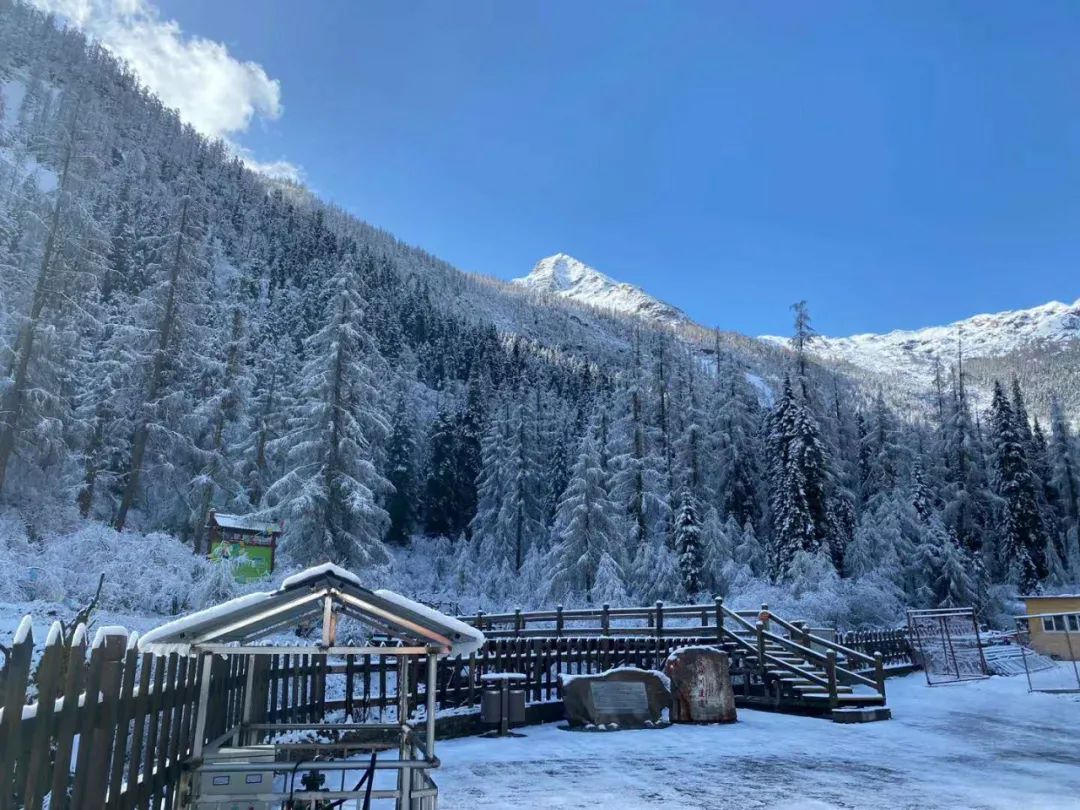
pixel 157 374
pixel 85 498
pixel 11 409
pixel 333 462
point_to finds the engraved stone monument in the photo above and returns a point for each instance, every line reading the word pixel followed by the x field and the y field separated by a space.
pixel 616 699
pixel 700 686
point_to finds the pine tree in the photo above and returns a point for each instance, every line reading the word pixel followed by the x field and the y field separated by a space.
pixel 584 531
pixel 734 431
pixel 688 545
pixel 440 488
pixel 1065 481
pixel 968 508
pixel 797 478
pixel 401 452
pixel 222 415
pixel 802 336
pixel 179 288
pixel 330 495
pixel 29 401
pixel 639 481
pixel 1023 534
pixel 954 585
pixel 521 512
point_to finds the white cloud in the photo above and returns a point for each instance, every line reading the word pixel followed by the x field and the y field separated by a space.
pixel 276 169
pixel 213 91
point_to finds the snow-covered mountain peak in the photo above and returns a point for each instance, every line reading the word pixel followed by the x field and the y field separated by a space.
pixel 564 276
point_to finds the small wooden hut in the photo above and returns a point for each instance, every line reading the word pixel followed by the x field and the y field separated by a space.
pixel 263 763
pixel 230 535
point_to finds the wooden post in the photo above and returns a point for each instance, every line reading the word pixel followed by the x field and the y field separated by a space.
pixel 17 673
pixel 204 699
pixel 879 672
pixel 518 623
pixel 830 674
pixel 138 728
pixel 605 619
pixel 763 617
pixel 67 727
pixel 719 602
pixel 804 634
pixel 123 722
pixel 49 673
pixel 760 627
pixel 87 721
pixel 558 621
pixel 659 618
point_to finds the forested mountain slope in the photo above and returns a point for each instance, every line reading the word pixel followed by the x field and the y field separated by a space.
pixel 178 333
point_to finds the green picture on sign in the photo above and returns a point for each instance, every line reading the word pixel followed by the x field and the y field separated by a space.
pixel 256 561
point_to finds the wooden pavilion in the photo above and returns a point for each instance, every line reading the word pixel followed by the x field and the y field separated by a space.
pixel 259 764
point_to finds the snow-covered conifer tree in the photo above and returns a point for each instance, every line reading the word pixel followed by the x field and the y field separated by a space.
pixel 585 530
pixel 1023 534
pixel 688 545
pixel 330 494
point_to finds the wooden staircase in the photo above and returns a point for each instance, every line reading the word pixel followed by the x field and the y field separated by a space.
pixel 776 665
pixel 803 673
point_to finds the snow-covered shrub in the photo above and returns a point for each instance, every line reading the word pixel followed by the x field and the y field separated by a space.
pixel 14 553
pixel 144 573
pixel 218 583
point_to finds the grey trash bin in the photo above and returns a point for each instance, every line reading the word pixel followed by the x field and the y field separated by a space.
pixel 501 704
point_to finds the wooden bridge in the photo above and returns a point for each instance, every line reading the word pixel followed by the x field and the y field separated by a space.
pixel 776 664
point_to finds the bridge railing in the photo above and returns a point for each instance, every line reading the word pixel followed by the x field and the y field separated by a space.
pixel 658 620
pixel 748 629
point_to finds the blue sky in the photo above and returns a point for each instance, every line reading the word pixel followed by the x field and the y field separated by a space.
pixel 896 164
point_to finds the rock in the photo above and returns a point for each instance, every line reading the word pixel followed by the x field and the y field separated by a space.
pixel 619 698
pixel 701 689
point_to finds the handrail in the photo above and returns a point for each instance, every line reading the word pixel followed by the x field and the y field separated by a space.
pixel 824 642
pixel 777 662
pixel 579 614
pixel 821 659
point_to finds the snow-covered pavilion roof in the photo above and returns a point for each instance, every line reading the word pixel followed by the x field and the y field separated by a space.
pixel 322 592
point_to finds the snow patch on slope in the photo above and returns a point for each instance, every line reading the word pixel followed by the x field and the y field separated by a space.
pixel 566 277
pixel 12 93
pixel 22 165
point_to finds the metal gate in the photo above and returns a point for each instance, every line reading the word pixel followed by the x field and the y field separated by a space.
pixel 946 641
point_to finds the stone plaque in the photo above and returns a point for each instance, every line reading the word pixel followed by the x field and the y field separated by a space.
pixel 700 686
pixel 614 699
pixel 618 698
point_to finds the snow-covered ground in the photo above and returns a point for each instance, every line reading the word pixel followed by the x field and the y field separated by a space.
pixel 984 744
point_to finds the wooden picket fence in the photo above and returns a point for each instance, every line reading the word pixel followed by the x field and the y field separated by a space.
pixel 126 748
pixel 894 645
pixel 109 730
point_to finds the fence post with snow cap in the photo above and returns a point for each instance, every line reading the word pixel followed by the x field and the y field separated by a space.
pixel 17 674
pixel 113 642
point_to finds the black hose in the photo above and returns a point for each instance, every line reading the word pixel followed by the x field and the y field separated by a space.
pixel 369 778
